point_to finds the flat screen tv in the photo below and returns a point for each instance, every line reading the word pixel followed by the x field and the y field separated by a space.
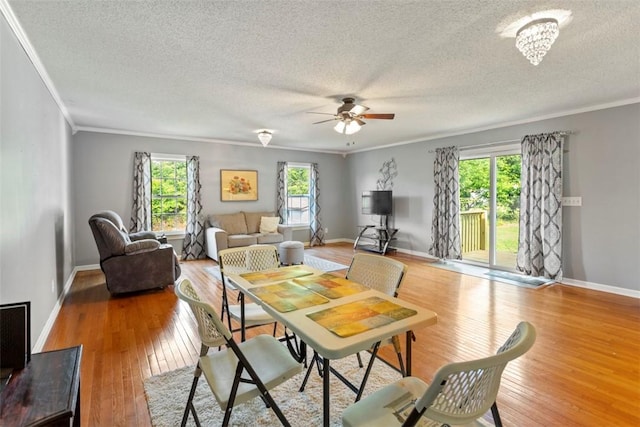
pixel 15 336
pixel 377 202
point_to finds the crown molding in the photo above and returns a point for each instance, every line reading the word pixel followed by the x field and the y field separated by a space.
pixel 196 139
pixel 614 104
pixel 15 26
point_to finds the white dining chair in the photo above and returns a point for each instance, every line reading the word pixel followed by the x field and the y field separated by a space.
pixel 244 260
pixel 459 394
pixel 382 274
pixel 239 372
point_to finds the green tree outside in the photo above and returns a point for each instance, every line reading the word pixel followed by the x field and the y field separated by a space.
pixel 297 181
pixel 168 195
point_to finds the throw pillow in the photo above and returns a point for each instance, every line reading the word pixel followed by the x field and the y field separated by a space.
pixel 269 224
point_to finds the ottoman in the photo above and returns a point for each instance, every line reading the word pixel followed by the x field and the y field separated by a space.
pixel 291 252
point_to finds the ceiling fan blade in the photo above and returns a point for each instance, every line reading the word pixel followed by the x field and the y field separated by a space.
pixel 324 121
pixel 389 116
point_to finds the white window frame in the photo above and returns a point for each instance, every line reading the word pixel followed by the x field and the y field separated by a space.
pixel 166 158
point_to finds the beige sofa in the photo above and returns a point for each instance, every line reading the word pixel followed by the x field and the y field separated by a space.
pixel 241 229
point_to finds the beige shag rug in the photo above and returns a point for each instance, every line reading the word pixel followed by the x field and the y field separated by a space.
pixel 167 396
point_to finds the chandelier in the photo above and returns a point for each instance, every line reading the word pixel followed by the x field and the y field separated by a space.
pixel 265 137
pixel 535 39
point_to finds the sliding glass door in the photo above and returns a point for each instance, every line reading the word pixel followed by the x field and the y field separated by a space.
pixel 490 205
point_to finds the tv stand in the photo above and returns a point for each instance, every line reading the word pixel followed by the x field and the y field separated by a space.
pixel 374 238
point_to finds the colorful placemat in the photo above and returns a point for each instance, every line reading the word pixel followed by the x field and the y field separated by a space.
pixel 275 275
pixel 288 296
pixel 360 316
pixel 331 286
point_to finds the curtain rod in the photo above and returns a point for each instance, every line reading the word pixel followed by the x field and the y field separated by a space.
pixel 497 143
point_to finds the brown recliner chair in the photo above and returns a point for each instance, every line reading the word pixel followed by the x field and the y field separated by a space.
pixel 132 262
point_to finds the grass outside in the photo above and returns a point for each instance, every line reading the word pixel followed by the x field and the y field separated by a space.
pixel 507 236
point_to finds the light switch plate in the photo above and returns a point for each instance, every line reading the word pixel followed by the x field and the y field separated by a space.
pixel 572 201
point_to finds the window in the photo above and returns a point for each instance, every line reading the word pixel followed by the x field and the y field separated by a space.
pixel 298 185
pixel 168 193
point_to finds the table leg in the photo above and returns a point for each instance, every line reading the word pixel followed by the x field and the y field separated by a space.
pixel 242 324
pixel 326 412
pixel 408 350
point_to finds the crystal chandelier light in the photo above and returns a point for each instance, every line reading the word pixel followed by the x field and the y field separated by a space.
pixel 264 137
pixel 535 39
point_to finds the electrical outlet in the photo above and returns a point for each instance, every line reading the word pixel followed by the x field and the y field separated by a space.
pixel 572 201
pixel 326 230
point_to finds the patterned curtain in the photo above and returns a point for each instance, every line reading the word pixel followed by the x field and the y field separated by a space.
pixel 141 206
pixel 317 233
pixel 281 201
pixel 193 246
pixel 540 241
pixel 445 229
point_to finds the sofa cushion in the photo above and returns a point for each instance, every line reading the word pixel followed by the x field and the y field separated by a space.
pixel 269 224
pixel 231 223
pixel 237 240
pixel 253 220
pixel 269 238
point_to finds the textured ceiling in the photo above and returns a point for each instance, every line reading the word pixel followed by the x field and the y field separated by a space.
pixel 222 70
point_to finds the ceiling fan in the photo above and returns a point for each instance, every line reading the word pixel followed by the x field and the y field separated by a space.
pixel 350 117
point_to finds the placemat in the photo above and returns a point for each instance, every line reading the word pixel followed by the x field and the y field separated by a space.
pixel 331 286
pixel 288 296
pixel 276 275
pixel 360 316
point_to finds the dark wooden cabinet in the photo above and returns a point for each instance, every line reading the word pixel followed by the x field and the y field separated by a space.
pixel 46 392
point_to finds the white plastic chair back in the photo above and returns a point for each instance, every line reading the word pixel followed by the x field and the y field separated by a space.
pixel 463 392
pixel 248 258
pixel 210 328
pixel 377 272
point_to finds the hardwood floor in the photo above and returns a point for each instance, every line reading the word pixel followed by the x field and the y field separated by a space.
pixel 584 369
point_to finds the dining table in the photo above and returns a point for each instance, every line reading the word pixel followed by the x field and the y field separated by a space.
pixel 334 316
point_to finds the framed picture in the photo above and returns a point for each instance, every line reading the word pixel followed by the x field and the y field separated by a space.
pixel 238 185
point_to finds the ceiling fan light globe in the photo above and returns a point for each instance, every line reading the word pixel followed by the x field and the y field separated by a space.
pixel 352 127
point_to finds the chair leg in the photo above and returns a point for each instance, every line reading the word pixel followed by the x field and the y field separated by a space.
pixel 496 415
pixel 359 360
pixel 309 369
pixel 396 345
pixel 189 407
pixel 374 353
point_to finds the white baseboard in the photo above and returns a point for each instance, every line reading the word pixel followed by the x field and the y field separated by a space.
pixel 603 288
pixel 44 334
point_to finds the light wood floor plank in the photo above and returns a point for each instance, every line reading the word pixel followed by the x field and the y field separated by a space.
pixel 584 369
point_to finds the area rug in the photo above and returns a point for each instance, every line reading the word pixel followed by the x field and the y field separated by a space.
pixel 497 275
pixel 167 396
pixel 310 260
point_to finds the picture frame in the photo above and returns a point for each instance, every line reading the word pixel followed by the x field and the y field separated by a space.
pixel 238 185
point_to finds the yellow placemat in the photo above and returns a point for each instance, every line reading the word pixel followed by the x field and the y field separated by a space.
pixel 288 296
pixel 360 316
pixel 276 275
pixel 331 286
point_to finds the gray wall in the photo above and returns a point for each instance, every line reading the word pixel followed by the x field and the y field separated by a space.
pixel 36 256
pixel 103 170
pixel 601 164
